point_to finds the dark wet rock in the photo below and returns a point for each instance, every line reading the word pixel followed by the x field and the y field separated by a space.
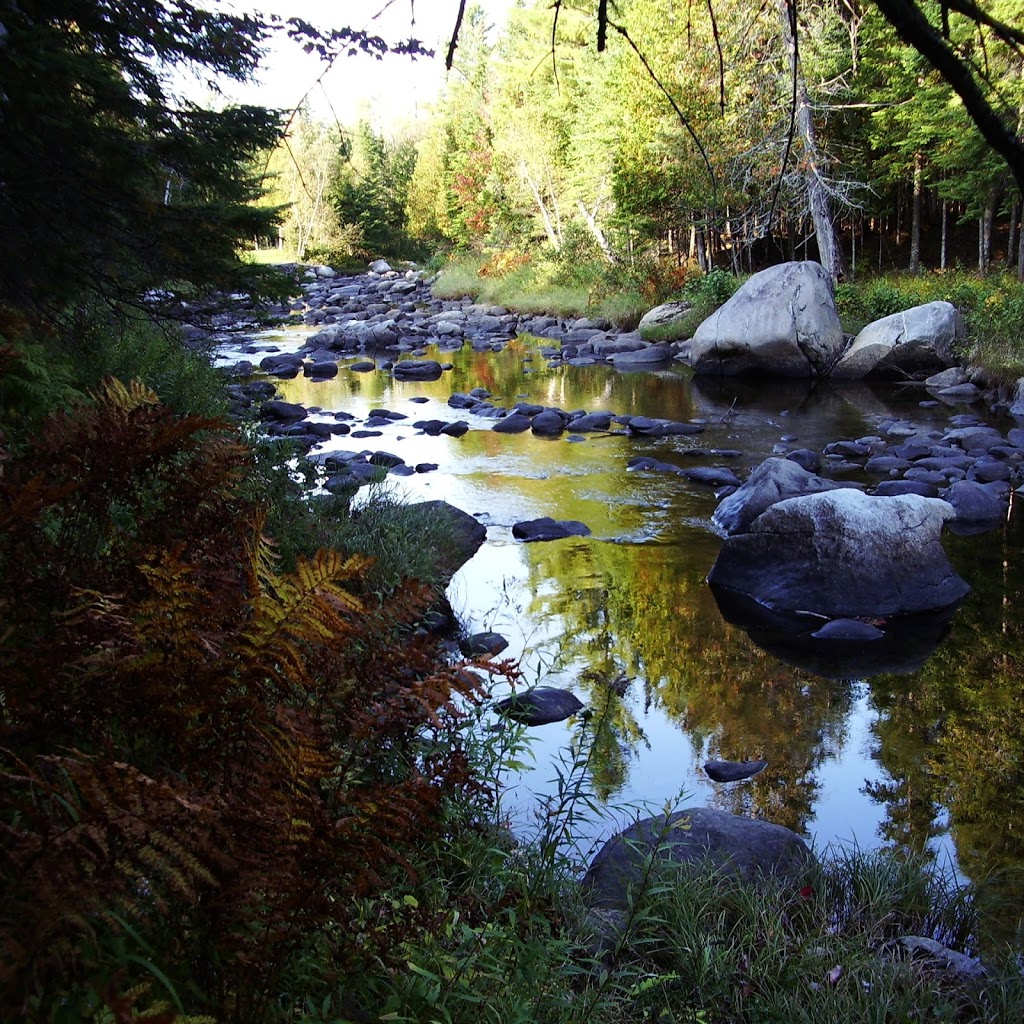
pixel 968 438
pixel 806 459
pixel 649 355
pixel 417 369
pixel 549 423
pixel 888 488
pixel 425 467
pixel 848 630
pixel 781 321
pixel 987 470
pixel 975 503
pixel 733 771
pixel 402 470
pixel 460 401
pixel 420 399
pixel 711 476
pixel 617 344
pixel 385 459
pixel 366 433
pixel 282 412
pixel 516 423
pixel 323 370
pixel 882 464
pixel 547 528
pixel 527 408
pixel 694 839
pixel 772 481
pixel 456 429
pixel 591 421
pixel 454 535
pixel 652 465
pixel 388 414
pixel 431 427
pixel 848 449
pixel 540 705
pixel 478 644
pixel 363 366
pixel 844 554
pixel 645 426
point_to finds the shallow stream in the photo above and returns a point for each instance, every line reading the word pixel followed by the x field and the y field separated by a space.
pixel 930 759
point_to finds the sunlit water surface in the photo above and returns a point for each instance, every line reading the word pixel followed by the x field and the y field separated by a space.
pixel 929 759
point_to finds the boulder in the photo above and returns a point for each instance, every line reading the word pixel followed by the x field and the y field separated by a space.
pixel 540 705
pixel 663 315
pixel 844 554
pixel 771 482
pixel 973 502
pixel 914 343
pixel 782 321
pixel 282 412
pixel 480 644
pixel 455 536
pixel 693 839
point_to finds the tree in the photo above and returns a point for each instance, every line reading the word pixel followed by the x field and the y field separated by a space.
pixel 108 185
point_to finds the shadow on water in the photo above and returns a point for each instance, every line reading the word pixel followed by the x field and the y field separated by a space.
pixel 918 741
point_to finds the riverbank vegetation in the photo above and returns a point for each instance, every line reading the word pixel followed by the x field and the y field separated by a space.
pixel 237 782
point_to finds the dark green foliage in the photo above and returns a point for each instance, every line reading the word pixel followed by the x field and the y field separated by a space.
pixel 110 187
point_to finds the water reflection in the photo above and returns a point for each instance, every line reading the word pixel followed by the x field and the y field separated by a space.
pixel 920 742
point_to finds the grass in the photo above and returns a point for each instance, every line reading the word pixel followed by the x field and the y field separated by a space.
pixel 498 931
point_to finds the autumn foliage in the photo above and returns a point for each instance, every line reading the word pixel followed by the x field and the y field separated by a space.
pixel 201 759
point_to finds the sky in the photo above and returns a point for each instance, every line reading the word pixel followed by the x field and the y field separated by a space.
pixel 391 92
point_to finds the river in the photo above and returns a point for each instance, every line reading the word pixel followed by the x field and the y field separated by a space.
pixel 930 759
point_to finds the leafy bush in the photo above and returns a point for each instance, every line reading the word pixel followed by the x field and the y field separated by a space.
pixel 204 761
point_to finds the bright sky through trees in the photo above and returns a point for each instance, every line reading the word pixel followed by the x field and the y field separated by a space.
pixel 388 91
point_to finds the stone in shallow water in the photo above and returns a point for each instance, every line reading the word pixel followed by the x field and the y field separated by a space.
pixel 540 706
pixel 483 643
pixel 733 771
pixel 547 528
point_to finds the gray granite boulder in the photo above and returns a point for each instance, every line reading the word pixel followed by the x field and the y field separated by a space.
pixel 914 343
pixel 772 481
pixel 666 313
pixel 844 554
pixel 782 321
pixel 694 838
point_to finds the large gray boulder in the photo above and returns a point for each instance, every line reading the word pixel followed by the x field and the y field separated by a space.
pixel 914 343
pixel 782 321
pixel 455 535
pixel 694 838
pixel 844 554
pixel 663 315
pixel 774 480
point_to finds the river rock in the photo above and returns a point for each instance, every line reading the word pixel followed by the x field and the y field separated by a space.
pixel 455 536
pixel 733 771
pixel 692 838
pixel 487 643
pixel 844 554
pixel 975 503
pixel 782 321
pixel 547 528
pixel 515 423
pixel 548 423
pixel 282 412
pixel 663 315
pixel 774 480
pixel 540 705
pixel 649 355
pixel 916 342
pixel 417 369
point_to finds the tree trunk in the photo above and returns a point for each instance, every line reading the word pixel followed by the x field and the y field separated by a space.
pixel 816 163
pixel 595 230
pixel 1011 242
pixel 549 227
pixel 985 235
pixel 915 216
pixel 945 234
pixel 702 255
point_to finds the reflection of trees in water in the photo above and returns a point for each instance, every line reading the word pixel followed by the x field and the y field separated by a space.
pixel 645 610
pixel 953 734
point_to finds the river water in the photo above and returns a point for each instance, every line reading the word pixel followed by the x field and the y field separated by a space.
pixel 930 757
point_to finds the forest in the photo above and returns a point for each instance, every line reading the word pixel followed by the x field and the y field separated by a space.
pixel 238 780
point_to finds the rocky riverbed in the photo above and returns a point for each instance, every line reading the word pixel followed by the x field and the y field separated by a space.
pixel 524 420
